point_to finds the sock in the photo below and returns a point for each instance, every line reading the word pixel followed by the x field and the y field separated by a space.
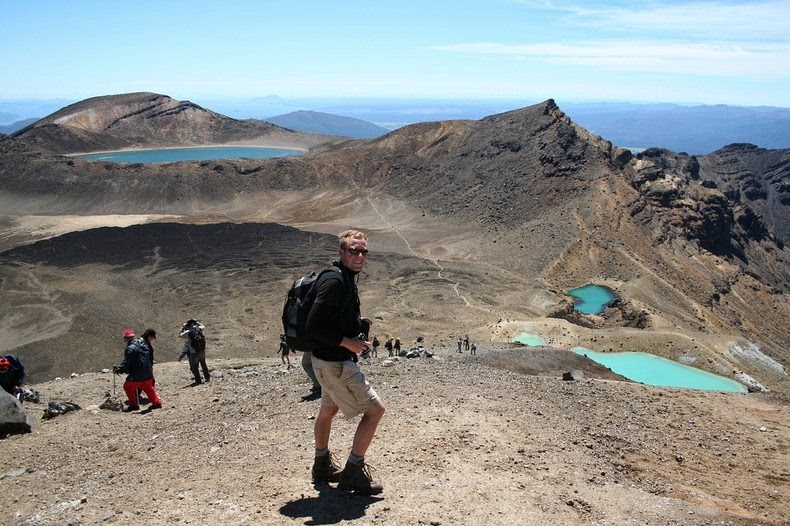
pixel 355 459
pixel 322 452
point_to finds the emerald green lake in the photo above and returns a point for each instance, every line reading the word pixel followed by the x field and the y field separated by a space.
pixel 533 340
pixel 169 155
pixel 592 299
pixel 655 370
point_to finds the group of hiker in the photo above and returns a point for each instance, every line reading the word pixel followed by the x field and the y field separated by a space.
pixel 465 344
pixel 285 350
pixel 138 363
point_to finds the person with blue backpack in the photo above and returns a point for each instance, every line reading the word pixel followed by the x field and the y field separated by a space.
pixel 340 335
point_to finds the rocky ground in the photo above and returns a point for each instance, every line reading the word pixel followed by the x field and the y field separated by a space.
pixel 462 443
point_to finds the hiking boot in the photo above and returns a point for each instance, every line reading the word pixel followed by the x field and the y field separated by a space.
pixel 156 406
pixel 357 477
pixel 130 408
pixel 326 469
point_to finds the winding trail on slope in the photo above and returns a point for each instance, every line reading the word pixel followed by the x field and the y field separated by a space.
pixel 455 284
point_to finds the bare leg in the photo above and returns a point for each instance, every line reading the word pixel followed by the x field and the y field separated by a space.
pixel 366 429
pixel 323 426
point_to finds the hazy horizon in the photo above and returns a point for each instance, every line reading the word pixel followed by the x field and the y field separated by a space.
pixel 264 106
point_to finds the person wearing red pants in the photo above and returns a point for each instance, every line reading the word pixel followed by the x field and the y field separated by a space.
pixel 138 365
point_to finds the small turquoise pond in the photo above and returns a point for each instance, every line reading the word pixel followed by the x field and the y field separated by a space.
pixel 655 370
pixel 532 340
pixel 592 299
pixel 169 155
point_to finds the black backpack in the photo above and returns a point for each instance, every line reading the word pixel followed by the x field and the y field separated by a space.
pixel 298 303
pixel 196 338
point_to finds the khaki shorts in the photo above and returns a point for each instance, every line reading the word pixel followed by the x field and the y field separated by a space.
pixel 344 386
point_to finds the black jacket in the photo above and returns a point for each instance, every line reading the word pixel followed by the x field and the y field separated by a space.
pixel 335 313
pixel 137 362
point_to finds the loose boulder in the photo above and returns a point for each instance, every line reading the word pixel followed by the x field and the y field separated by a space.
pixel 112 403
pixel 13 417
pixel 575 374
pixel 58 408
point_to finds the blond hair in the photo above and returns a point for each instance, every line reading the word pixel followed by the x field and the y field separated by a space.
pixel 350 234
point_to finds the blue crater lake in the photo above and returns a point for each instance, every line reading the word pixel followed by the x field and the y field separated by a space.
pixel 655 370
pixel 592 299
pixel 169 155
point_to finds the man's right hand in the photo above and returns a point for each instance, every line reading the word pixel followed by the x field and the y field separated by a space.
pixel 355 345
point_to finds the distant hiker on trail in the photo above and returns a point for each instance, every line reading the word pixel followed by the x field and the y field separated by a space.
pixel 138 367
pixel 473 348
pixel 12 374
pixel 335 323
pixel 460 343
pixel 466 342
pixel 388 346
pixel 396 347
pixel 192 330
pixel 284 351
pixel 376 344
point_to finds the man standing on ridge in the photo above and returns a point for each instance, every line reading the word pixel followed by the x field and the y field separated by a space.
pixel 340 334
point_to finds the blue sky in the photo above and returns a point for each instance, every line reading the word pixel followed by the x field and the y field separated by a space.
pixel 709 52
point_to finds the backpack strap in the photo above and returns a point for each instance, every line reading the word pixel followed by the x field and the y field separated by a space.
pixel 333 268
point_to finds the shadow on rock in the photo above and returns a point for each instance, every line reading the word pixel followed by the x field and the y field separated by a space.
pixel 331 506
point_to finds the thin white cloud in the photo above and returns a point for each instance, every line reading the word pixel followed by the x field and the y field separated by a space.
pixel 727 20
pixel 765 61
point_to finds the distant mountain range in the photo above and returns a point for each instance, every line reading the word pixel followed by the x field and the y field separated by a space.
pixel 697 130
pixel 16 126
pixel 325 123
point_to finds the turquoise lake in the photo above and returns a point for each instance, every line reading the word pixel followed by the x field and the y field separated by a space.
pixel 170 155
pixel 655 370
pixel 532 340
pixel 592 299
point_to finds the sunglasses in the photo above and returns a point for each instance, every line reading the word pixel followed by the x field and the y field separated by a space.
pixel 357 251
